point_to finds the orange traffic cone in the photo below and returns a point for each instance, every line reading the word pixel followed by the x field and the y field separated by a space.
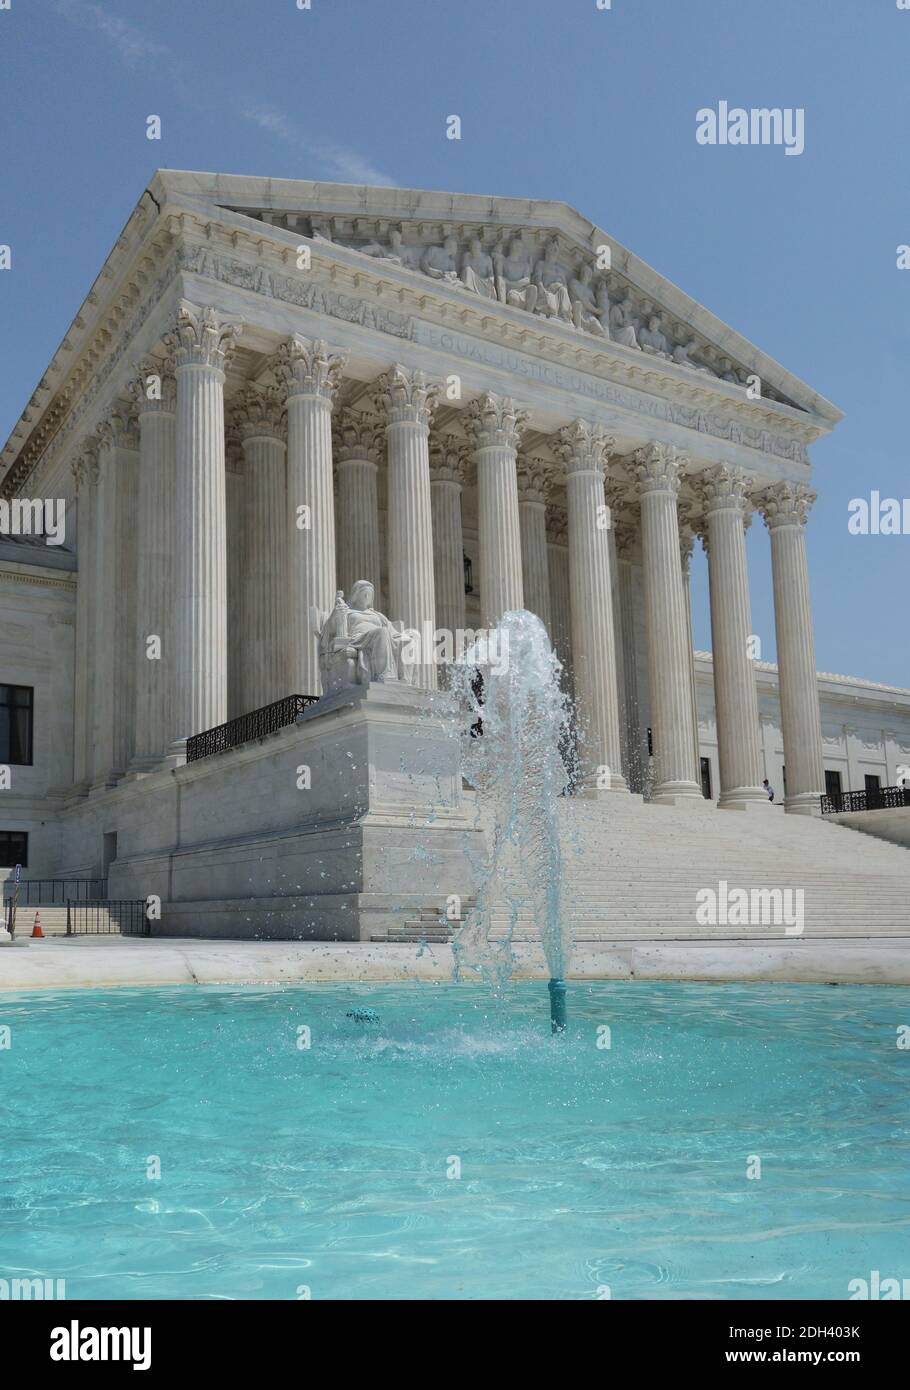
pixel 36 929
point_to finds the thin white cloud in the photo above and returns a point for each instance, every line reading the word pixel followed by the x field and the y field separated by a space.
pixel 133 44
pixel 337 159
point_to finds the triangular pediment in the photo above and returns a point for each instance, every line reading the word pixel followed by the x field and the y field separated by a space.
pixel 585 278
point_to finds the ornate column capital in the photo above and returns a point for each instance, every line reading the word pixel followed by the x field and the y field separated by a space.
pixel 357 436
pixel 723 488
pixel 493 422
pixel 202 338
pixel 406 396
pixel 656 468
pixel 309 367
pixel 119 429
pixel 557 525
pixel 785 504
pixel 259 412
pixel 584 447
pixel 85 465
pixel 154 387
pixel 448 460
pixel 535 479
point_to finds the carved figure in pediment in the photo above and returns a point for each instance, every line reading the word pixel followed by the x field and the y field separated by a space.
pixel 728 372
pixel 552 290
pixel 682 356
pixel 378 250
pixel 408 256
pixel 652 339
pixel 585 312
pixel 513 277
pixel 477 271
pixel 623 323
pixel 603 305
pixel 439 261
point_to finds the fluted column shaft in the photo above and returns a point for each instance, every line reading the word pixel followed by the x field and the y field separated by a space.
pixel 496 429
pixel 735 695
pixel 310 373
pixel 533 489
pixel 236 533
pixel 85 472
pixel 447 472
pixel 202 344
pixel 557 523
pixel 786 508
pixel 657 473
pixel 358 503
pixel 156 400
pixel 265 673
pixel 583 447
pixel 686 545
pixel 408 400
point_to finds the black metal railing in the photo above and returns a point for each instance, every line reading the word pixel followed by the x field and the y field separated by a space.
pixel 873 799
pixel 53 892
pixel 247 727
pixel 106 917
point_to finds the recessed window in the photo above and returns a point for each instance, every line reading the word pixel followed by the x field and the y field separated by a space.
pixel 832 782
pixel 13 849
pixel 873 782
pixel 16 713
pixel 706 778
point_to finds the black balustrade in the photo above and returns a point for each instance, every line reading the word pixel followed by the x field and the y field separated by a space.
pixel 247 727
pixel 872 799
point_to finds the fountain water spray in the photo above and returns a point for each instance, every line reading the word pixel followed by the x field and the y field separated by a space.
pixel 515 729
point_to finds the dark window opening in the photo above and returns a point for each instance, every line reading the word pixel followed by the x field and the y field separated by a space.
pixel 16 716
pixel 706 778
pixel 832 783
pixel 13 849
pixel 873 782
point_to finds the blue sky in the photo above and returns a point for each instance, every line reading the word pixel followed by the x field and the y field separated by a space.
pixel 558 100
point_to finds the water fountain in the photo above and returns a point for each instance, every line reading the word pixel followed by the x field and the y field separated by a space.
pixel 513 725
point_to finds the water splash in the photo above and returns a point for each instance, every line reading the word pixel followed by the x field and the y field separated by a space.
pixel 514 724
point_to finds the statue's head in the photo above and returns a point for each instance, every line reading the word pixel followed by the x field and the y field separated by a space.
pixel 362 595
pixel 451 244
pixel 654 322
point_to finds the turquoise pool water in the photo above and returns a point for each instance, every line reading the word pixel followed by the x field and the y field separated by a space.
pixel 582 1167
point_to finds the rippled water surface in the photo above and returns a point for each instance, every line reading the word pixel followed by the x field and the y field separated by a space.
pixel 285 1168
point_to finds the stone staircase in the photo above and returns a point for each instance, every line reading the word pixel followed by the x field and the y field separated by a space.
pixel 53 921
pixel 634 871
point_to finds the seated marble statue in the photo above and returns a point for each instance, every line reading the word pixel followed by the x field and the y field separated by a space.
pixel 439 261
pixel 513 277
pixel 652 339
pixel 623 323
pixel 477 270
pixel 357 644
pixel 585 311
pixel 552 291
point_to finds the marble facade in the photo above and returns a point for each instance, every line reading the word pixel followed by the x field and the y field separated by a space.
pixel 276 388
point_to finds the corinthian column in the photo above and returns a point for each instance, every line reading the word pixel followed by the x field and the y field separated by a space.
pixel 534 479
pixel 447 474
pixel 583 447
pixel 657 474
pixel 735 696
pixel 85 473
pixel 408 400
pixel 785 507
pixel 310 373
pixel 155 394
pixel 265 673
pixel 115 622
pixel 496 427
pixel 202 346
pixel 358 441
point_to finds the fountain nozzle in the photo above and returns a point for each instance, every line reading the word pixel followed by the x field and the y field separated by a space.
pixel 558 1018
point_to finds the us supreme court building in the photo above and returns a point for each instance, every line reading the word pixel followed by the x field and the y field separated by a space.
pixel 276 388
